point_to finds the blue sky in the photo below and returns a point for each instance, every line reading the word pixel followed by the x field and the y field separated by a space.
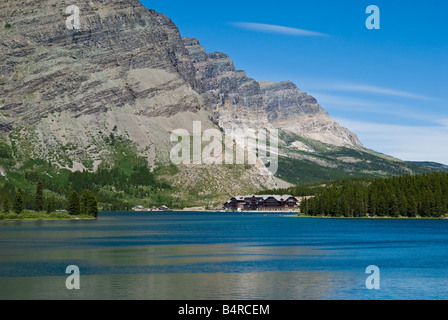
pixel 389 86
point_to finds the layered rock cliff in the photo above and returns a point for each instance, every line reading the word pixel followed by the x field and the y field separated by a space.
pixel 79 99
pixel 238 100
pixel 125 65
pixel 123 54
pixel 124 76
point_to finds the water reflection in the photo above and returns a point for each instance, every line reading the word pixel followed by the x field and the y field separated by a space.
pixel 223 257
pixel 183 286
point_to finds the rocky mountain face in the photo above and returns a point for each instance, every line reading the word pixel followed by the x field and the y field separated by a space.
pixel 125 65
pixel 80 99
pixel 124 76
pixel 124 54
pixel 313 147
pixel 239 101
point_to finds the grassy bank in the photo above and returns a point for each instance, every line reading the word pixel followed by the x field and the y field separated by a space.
pixel 33 215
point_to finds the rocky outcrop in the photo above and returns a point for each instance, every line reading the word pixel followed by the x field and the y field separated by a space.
pixel 123 55
pixel 239 101
pixel 117 87
pixel 125 76
pixel 125 65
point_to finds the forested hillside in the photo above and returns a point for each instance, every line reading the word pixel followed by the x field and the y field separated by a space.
pixel 423 195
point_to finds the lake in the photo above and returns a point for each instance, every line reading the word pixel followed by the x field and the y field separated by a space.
pixel 221 256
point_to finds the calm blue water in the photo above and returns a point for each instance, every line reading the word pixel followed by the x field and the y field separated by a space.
pixel 223 256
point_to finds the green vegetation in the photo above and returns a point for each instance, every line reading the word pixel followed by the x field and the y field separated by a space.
pixel 51 206
pixel 297 191
pixel 85 207
pixel 88 204
pixel 7 26
pixel 424 195
pixel 33 215
pixel 302 172
pixel 121 182
pixel 29 96
pixel 323 162
pixel 39 198
pixel 34 203
pixel 73 205
pixel 5 151
pixel 116 188
pixel 6 206
pixel 18 206
pixel 124 180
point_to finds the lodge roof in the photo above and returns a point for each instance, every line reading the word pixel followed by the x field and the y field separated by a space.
pixel 264 197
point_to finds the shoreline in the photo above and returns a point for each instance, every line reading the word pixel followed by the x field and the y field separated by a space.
pixel 297 215
pixel 29 215
pixel 63 216
pixel 216 211
pixel 46 219
pixel 372 218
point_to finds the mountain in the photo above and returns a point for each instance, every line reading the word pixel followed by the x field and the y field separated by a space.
pixel 313 147
pixel 239 101
pixel 126 68
pixel 102 96
pixel 92 107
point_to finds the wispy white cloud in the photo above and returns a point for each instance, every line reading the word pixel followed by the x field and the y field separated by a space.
pixel 323 85
pixel 344 103
pixel 377 90
pixel 443 122
pixel 269 28
pixel 412 143
pixel 348 102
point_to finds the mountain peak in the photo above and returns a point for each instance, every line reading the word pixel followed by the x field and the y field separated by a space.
pixel 114 91
pixel 238 100
pixel 283 85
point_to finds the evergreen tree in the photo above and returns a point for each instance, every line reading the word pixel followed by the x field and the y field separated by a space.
pixel 93 206
pixel 412 207
pixel 89 203
pixel 39 199
pixel 6 206
pixel 345 209
pixel 18 202
pixel 51 205
pixel 439 208
pixel 304 206
pixel 84 202
pixel 394 210
pixel 425 195
pixel 403 205
pixel 73 205
pixel 373 200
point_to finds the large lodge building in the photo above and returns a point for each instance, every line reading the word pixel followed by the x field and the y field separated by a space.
pixel 262 203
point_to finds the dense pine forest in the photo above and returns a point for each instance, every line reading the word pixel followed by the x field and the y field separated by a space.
pixel 423 195
pixel 75 204
pixel 118 188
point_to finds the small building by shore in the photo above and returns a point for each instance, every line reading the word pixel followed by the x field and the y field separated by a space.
pixel 262 203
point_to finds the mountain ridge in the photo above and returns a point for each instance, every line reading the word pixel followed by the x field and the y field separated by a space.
pixel 109 95
pixel 238 100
